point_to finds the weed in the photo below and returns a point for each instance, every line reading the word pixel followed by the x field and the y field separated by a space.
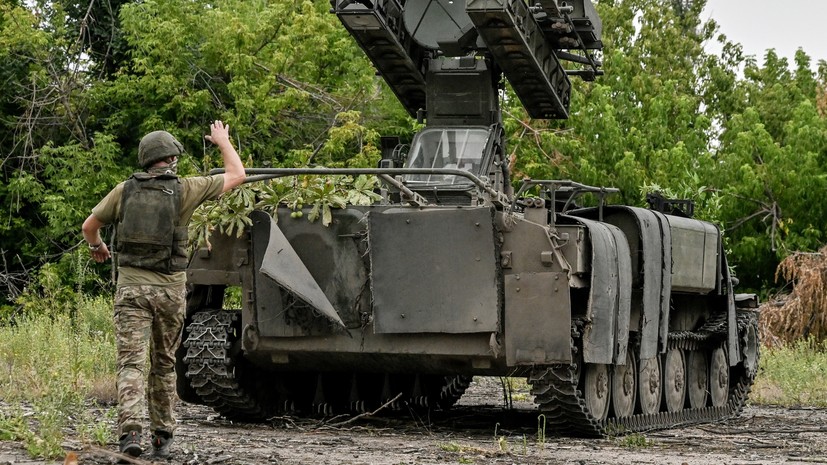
pixel 520 390
pixel 37 428
pixel 541 430
pixel 102 434
pixel 451 447
pixel 12 426
pixel 502 444
pixel 458 449
pixel 501 441
pixel 97 432
pixel 514 389
pixel 614 430
pixel 634 441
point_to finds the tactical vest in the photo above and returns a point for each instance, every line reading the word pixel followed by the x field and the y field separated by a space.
pixel 148 234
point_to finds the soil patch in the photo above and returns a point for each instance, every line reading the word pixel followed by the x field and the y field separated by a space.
pixel 479 430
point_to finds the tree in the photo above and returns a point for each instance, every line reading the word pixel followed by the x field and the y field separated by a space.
pixel 43 77
pixel 95 26
pixel 85 81
pixel 668 114
pixel 771 167
pixel 86 87
pixel 648 119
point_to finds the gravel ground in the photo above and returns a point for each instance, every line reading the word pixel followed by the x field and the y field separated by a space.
pixel 478 431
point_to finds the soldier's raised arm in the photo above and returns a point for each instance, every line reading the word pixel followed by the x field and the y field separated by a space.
pixel 233 168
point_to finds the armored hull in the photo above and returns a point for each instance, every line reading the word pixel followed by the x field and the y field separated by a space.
pixel 616 316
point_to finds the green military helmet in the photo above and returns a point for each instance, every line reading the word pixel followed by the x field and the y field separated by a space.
pixel 156 146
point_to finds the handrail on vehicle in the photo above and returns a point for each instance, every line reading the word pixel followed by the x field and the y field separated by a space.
pixel 262 174
pixel 555 185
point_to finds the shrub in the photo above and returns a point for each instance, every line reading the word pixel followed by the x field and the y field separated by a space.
pixel 802 313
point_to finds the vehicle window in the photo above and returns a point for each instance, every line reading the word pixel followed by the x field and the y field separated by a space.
pixel 447 148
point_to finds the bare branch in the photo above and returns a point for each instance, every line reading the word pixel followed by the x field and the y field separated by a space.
pixel 366 414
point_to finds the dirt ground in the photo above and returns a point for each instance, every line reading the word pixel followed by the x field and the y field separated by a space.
pixel 478 431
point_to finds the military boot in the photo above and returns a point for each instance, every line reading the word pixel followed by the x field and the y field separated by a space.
pixel 161 442
pixel 131 443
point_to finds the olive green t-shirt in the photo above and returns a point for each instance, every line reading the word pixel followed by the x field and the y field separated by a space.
pixel 195 190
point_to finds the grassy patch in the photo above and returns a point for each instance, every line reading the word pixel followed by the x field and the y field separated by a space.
pixel 51 368
pixel 515 389
pixel 793 375
pixel 451 447
pixel 469 454
pixel 633 441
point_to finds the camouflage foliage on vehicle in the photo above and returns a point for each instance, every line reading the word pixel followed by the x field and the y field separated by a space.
pixel 230 214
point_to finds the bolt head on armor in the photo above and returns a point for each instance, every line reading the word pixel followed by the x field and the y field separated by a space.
pixel 156 146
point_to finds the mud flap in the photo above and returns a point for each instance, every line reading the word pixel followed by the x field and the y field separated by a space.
pixel 666 286
pixel 655 242
pixel 733 348
pixel 610 295
pixel 624 297
pixel 649 239
pixel 281 264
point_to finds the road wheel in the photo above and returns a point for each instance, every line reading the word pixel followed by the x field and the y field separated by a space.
pixel 674 380
pixel 596 389
pixel 649 385
pixel 624 387
pixel 697 379
pixel 719 377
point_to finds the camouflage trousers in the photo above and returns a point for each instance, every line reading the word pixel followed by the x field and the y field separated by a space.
pixel 147 317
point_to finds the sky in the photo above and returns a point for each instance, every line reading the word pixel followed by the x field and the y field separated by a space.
pixel 783 25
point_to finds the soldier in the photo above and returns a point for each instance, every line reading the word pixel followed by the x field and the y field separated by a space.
pixel 151 210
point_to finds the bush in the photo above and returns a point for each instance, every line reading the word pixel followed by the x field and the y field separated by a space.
pixel 803 313
pixel 57 288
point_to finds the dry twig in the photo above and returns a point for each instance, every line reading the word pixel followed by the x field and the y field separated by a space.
pixel 366 414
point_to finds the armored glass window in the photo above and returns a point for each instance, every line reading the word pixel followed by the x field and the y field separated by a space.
pixel 454 148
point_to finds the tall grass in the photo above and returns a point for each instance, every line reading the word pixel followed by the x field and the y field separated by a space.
pixel 52 366
pixel 793 375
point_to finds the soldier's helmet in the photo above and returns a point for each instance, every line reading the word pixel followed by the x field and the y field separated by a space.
pixel 156 146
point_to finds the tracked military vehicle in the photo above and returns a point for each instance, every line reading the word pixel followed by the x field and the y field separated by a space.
pixel 621 318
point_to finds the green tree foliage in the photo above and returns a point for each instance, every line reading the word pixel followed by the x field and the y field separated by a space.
pixel 278 72
pixel 746 142
pixel 50 156
pixel 88 80
pixel 316 195
pixel 645 121
pixel 96 27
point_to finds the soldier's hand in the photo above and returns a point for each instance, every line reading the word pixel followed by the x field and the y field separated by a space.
pixel 102 254
pixel 219 133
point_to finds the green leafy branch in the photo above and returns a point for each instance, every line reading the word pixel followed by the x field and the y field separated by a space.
pixel 230 214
